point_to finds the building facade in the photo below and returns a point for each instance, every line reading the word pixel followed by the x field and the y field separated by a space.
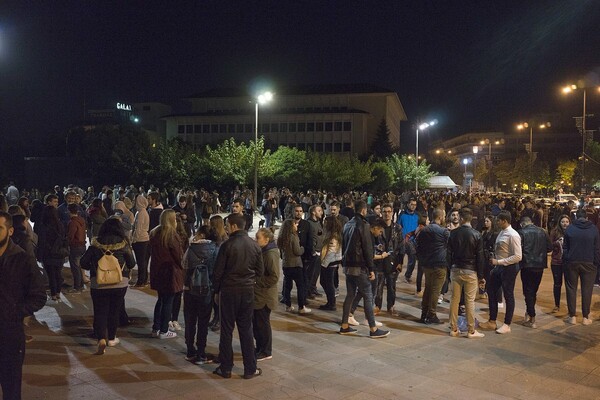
pixel 328 118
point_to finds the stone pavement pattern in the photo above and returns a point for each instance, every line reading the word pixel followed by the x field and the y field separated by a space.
pixel 311 361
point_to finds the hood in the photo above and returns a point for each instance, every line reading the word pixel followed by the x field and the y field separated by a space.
pixel 119 205
pixel 109 243
pixel 141 203
pixel 583 224
pixel 269 246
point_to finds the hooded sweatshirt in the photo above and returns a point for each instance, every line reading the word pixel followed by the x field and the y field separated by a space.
pixel 582 243
pixel 141 222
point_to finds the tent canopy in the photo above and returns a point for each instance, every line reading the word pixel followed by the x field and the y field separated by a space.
pixel 441 182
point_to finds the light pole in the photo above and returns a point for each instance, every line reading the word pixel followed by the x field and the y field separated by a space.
pixel 465 162
pixel 526 125
pixel 422 127
pixel 489 143
pixel 263 98
pixel 566 90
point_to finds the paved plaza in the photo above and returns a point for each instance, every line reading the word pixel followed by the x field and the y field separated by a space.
pixel 311 361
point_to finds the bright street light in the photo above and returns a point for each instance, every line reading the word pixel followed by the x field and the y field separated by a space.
pixel 422 126
pixel 262 99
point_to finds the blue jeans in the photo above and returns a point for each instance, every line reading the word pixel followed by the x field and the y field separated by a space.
pixel 75 254
pixel 412 259
pixel 362 284
pixel 268 220
pixel 162 312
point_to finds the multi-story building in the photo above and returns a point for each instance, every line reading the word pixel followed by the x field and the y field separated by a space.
pixel 326 118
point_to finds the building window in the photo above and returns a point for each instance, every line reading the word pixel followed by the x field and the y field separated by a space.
pixel 301 127
pixel 248 128
pixel 347 147
pixel 337 147
pixel 206 128
pixel 310 127
pixel 328 126
pixel 283 127
pixel 189 129
pixel 319 127
pixel 239 128
pixel 222 128
pixel 301 146
pixel 214 128
pixel 309 146
pixel 180 128
pixel 274 127
pixel 292 127
pixel 347 126
pixel 338 127
pixel 266 128
pixel 319 147
pixel 197 128
pixel 328 147
pixel 231 128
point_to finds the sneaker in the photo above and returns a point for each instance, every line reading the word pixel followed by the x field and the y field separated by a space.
pixel 378 334
pixel 555 310
pixel 500 305
pixel 454 333
pixel 191 358
pixel 174 326
pixel 154 334
pixel 571 320
pixel 376 310
pixel 475 335
pixel 440 299
pixel 290 309
pixel 377 323
pixel 216 327
pixel 433 321
pixel 263 357
pixel 327 307
pixel 167 335
pixel 256 373
pixel 503 329
pixel 488 325
pixel 527 318
pixel 407 280
pixel 304 310
pixel 28 338
pixel 114 342
pixel 101 347
pixel 205 359
pixel 530 324
pixel 348 331
pixel 337 292
pixel 222 373
pixel 587 321
pixel 419 294
pixel 352 321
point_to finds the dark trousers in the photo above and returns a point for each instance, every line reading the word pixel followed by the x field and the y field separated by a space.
pixel 314 270
pixel 12 349
pixel 587 273
pixel 362 285
pixel 75 253
pixel 196 314
pixel 486 274
pixel 176 307
pixel 360 296
pixel 412 259
pixel 434 280
pixel 162 312
pixel 419 277
pixel 291 275
pixel 557 277
pixel 327 274
pixel 141 257
pixel 107 306
pixel 388 280
pixel 336 277
pixel 503 277
pixel 531 279
pixel 55 279
pixel 261 325
pixel 237 308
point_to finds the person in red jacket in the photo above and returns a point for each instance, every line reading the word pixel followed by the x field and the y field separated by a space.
pixel 76 232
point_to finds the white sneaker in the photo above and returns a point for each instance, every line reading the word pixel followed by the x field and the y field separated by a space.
pixel 571 320
pixel 290 309
pixel 419 294
pixel 352 321
pixel 441 299
pixel 587 321
pixel 476 335
pixel 174 326
pixel 114 342
pixel 455 333
pixel 377 323
pixel 167 335
pixel 503 329
pixel 304 310
pixel 500 305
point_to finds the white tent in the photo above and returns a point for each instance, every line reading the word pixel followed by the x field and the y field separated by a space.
pixel 441 182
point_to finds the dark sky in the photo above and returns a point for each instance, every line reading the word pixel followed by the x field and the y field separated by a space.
pixel 470 64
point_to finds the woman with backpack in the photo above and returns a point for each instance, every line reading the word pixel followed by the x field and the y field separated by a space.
pixel 166 271
pixel 108 295
pixel 198 266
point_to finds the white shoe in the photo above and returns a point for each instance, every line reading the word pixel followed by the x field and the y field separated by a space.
pixel 475 335
pixel 114 342
pixel 174 326
pixel 419 294
pixel 441 299
pixel 527 318
pixel 304 310
pixel 587 321
pixel 455 333
pixel 290 309
pixel 571 320
pixel 503 329
pixel 377 323
pixel 500 305
pixel 167 335
pixel 352 321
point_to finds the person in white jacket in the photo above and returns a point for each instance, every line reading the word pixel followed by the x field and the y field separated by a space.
pixel 141 240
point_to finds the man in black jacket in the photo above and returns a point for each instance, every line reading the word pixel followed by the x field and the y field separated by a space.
pixel 238 264
pixel 465 248
pixel 357 260
pixel 21 294
pixel 536 246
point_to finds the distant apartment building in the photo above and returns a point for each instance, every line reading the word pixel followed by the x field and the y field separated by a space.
pixel 325 118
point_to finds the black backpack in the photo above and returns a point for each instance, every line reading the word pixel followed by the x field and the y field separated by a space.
pixel 200 284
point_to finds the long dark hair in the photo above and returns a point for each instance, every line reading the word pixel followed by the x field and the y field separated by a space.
pixel 333 229
pixel 111 227
pixel 284 241
pixel 558 231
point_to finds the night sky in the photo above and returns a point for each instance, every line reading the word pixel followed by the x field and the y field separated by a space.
pixel 473 65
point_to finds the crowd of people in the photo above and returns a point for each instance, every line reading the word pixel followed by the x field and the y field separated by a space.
pixel 467 245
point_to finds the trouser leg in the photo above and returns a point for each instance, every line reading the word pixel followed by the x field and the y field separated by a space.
pixel 509 275
pixel 588 277
pixel 557 277
pixel 571 282
pixel 351 283
pixel 12 348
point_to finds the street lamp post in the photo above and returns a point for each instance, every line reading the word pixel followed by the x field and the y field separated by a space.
pixel 490 162
pixel 526 125
pixel 422 127
pixel 263 98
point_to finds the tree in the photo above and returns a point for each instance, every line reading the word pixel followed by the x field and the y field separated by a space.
pixel 382 147
pixel 565 173
pixel 337 172
pixel 288 165
pixel 382 177
pixel 405 172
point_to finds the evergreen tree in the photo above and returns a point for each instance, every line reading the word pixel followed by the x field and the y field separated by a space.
pixel 382 147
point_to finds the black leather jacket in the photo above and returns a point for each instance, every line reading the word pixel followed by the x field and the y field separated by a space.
pixel 395 244
pixel 432 242
pixel 357 245
pixel 536 245
pixel 465 249
pixel 238 263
